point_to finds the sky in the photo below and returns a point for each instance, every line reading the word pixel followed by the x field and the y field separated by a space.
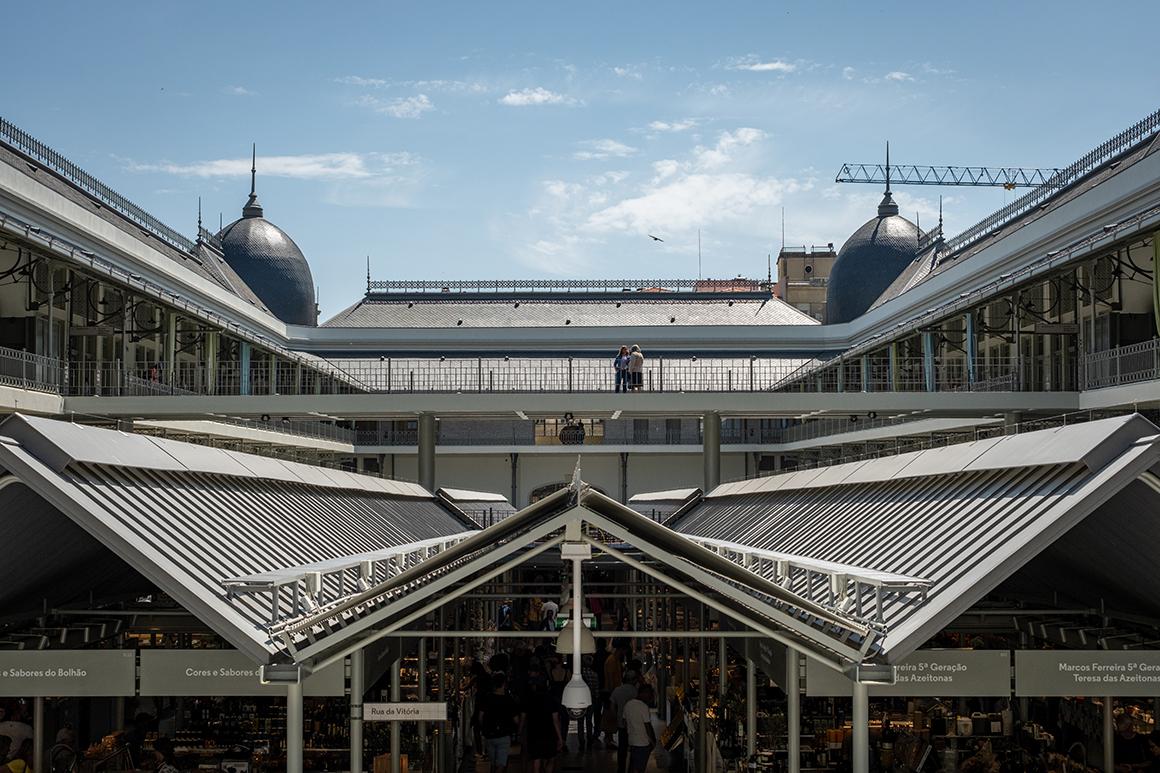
pixel 470 140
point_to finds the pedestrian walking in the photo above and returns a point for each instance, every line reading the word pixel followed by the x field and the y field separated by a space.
pixel 642 738
pixel 620 367
pixel 636 368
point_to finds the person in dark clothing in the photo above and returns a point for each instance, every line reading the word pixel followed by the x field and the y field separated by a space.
pixel 1131 750
pixel 545 739
pixel 499 719
pixel 620 366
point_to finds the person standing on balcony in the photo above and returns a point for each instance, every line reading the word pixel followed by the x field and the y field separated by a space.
pixel 620 366
pixel 636 368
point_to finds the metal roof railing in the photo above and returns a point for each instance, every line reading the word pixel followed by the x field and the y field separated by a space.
pixel 566 285
pixel 25 143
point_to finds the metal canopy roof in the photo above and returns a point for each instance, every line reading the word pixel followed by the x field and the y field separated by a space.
pixel 834 636
pixel 187 526
pixel 964 518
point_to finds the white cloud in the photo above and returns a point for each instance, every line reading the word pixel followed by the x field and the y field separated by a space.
pixel 673 126
pixel 752 63
pixel 599 149
pixel 358 80
pixel 848 73
pixel 239 91
pixel 400 107
pixel 317 166
pixel 632 73
pixel 690 201
pixel 665 169
pixel 899 76
pixel 727 144
pixel 534 96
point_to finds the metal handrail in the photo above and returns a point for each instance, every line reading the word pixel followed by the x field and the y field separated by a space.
pixel 1127 364
pixel 533 285
pixel 31 371
pixel 25 143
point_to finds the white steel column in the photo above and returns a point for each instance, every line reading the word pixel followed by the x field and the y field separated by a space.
pixel 427 451
pixel 860 748
pixel 38 726
pixel 294 727
pixel 750 707
pixel 357 679
pixel 793 710
pixel 711 449
pixel 396 727
pixel 1109 736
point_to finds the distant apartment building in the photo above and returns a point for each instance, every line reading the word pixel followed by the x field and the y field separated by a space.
pixel 802 276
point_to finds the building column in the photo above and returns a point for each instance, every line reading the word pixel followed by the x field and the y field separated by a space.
pixel 211 357
pixel 294 727
pixel 894 373
pixel 396 727
pixel 711 449
pixel 841 375
pixel 422 660
pixel 860 747
pixel 357 680
pixel 750 707
pixel 972 346
pixel 928 364
pixel 623 477
pixel 515 499
pixel 427 451
pixel 38 734
pixel 865 372
pixel 244 366
pixel 1109 736
pixel 170 347
pixel 793 710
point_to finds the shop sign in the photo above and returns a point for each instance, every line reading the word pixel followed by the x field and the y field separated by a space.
pixel 405 712
pixel 926 673
pixel 769 655
pixel 223 672
pixel 68 673
pixel 1053 673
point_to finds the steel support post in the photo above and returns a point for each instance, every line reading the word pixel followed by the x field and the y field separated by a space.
pixel 357 683
pixel 1109 735
pixel 711 442
pixel 211 362
pixel 722 674
pixel 972 346
pixel 895 374
pixel 244 366
pixel 702 702
pixel 38 733
pixel 865 369
pixel 793 710
pixel 422 662
pixel 170 346
pixel 427 451
pixel 860 746
pixel 294 727
pixel 396 727
pixel 750 708
pixel 928 365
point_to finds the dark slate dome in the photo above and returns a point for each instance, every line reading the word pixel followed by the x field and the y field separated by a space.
pixel 869 261
pixel 270 264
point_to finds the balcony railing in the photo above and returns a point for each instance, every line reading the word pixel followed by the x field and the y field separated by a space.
pixel 30 371
pixel 1045 373
pixel 1129 364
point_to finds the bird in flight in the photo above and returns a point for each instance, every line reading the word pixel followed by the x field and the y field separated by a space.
pixel 655 238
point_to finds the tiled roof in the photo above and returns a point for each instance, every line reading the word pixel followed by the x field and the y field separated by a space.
pixel 557 311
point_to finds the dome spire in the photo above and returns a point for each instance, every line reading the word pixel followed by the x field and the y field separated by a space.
pixel 253 208
pixel 887 207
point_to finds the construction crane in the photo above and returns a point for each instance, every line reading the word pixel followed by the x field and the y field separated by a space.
pixel 1006 177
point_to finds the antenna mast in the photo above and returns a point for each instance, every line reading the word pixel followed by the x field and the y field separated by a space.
pixel 698 254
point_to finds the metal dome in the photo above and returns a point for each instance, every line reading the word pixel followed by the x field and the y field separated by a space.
pixel 270 264
pixel 869 261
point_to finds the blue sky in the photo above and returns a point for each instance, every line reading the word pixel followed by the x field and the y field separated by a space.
pixel 511 139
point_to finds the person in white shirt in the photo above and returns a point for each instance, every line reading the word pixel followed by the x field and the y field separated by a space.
pixel 642 738
pixel 618 700
pixel 548 614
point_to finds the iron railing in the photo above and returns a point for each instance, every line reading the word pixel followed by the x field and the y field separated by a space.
pixel 1123 365
pixel 25 143
pixel 558 285
pixel 1043 373
pixel 1097 156
pixel 31 371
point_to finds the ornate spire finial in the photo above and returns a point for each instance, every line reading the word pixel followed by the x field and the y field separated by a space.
pixel 253 208
pixel 254 167
pixel 199 216
pixel 887 207
pixel 368 274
